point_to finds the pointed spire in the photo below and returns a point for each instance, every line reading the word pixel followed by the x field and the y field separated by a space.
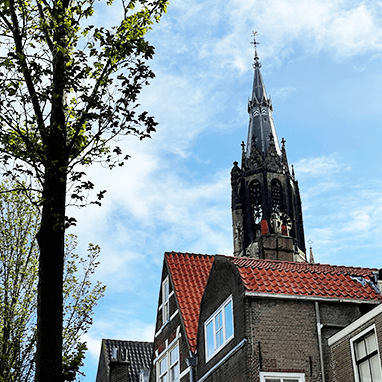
pixel 256 64
pixel 311 257
pixel 260 112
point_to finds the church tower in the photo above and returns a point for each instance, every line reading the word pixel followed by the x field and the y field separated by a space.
pixel 266 204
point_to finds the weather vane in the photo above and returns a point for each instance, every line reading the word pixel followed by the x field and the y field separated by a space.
pixel 255 43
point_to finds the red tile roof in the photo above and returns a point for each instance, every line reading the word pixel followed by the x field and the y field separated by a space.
pixel 304 279
pixel 189 274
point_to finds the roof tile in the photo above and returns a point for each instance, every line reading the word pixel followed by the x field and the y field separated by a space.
pixel 189 273
pixel 320 280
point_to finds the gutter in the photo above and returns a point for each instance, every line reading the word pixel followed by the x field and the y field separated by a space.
pixel 309 298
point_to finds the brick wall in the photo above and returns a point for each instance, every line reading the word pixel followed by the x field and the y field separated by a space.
pixel 119 371
pixel 223 281
pixel 283 337
pixel 281 334
pixel 340 352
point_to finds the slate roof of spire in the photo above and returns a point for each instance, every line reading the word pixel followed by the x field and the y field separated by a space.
pixel 189 273
pixel 261 125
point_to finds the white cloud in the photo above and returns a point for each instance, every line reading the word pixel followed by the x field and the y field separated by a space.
pixel 283 93
pixel 339 27
pixel 324 166
pixel 132 330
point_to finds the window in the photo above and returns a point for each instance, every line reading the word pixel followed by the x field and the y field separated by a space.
pixel 168 366
pixel 281 377
pixel 367 365
pixel 165 301
pixel 218 329
pixel 255 193
pixel 276 195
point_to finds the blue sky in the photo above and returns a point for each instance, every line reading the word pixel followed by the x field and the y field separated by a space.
pixel 322 66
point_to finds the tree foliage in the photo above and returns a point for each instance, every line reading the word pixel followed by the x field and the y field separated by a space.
pixel 18 286
pixel 59 75
pixel 68 91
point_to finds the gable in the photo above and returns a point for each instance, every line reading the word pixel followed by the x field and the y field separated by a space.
pixel 189 274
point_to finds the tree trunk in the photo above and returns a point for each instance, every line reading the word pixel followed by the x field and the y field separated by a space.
pixel 51 236
pixel 51 265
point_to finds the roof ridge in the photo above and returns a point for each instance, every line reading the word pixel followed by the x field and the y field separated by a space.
pixel 237 260
pixel 188 254
pixel 130 341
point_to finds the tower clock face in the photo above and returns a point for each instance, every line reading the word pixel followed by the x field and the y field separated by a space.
pixel 280 222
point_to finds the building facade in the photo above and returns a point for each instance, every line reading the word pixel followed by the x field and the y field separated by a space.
pixel 243 319
pixel 356 350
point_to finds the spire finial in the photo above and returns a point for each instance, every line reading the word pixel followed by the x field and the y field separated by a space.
pixel 256 64
pixel 311 256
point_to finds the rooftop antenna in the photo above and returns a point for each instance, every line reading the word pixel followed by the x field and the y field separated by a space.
pixel 256 64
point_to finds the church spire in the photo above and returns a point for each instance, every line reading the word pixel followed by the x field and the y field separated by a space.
pixel 266 205
pixel 261 130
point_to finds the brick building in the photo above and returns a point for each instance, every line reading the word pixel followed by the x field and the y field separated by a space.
pixel 223 318
pixel 124 361
pixel 356 350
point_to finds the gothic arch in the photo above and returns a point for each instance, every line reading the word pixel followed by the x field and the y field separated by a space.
pixel 255 196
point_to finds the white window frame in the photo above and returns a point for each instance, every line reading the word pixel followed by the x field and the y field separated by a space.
pixel 352 347
pixel 169 365
pixel 165 301
pixel 212 320
pixel 299 376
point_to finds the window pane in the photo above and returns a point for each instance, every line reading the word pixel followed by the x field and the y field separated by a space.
pixel 210 339
pixel 290 380
pixel 272 380
pixel 219 338
pixel 375 368
pixel 163 365
pixel 360 349
pixel 219 329
pixel 219 321
pixel 174 373
pixel 174 355
pixel 371 345
pixel 228 320
pixel 166 291
pixel 364 372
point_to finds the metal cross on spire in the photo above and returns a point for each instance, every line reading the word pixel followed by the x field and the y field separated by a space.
pixel 256 64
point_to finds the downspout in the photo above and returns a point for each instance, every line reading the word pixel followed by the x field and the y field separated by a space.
pixel 191 362
pixel 319 327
